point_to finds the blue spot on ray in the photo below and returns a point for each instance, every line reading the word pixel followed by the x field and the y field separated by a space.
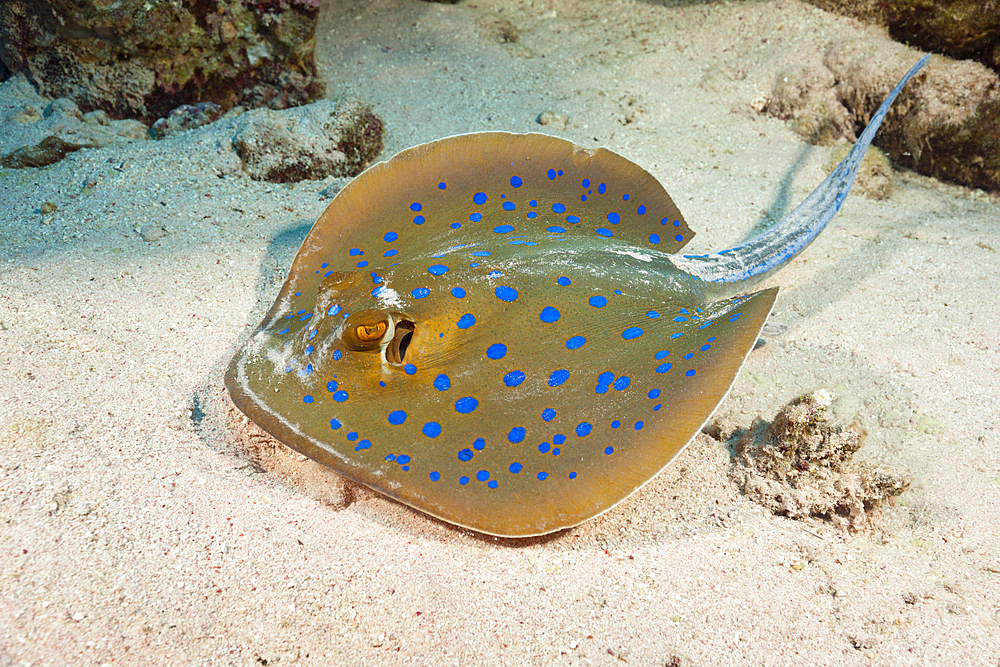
pixel 513 378
pixel 558 377
pixel 466 405
pixel 505 293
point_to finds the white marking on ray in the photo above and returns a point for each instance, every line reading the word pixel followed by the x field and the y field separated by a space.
pixel 641 256
pixel 388 297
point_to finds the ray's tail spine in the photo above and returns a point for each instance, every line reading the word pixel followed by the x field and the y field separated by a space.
pixel 756 259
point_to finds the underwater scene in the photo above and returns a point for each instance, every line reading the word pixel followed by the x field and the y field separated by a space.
pixel 501 332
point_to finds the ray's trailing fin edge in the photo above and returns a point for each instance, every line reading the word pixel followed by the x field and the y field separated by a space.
pixel 495 329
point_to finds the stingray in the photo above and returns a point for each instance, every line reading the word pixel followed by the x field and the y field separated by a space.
pixel 497 329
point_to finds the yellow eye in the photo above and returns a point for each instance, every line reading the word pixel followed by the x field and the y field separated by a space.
pixel 365 330
pixel 369 332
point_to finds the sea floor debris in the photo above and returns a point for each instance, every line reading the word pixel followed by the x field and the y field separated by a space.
pixel 800 465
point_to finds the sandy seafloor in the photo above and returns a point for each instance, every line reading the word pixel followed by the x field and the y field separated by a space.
pixel 131 532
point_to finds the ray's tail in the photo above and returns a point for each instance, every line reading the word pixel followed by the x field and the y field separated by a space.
pixel 756 259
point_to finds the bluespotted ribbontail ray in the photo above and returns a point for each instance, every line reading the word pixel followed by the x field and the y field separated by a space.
pixel 494 328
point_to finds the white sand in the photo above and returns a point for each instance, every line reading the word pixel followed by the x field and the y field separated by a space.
pixel 132 533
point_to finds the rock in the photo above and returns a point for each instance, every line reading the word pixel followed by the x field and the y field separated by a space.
pixel 945 123
pixel 553 120
pixel 185 117
pixel 963 29
pixel 498 29
pixel 309 142
pixel 98 117
pixel 150 233
pixel 62 107
pixel 29 138
pixel 48 151
pixel 139 59
pixel 800 465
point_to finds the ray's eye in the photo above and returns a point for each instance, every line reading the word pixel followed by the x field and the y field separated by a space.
pixel 370 332
pixel 364 330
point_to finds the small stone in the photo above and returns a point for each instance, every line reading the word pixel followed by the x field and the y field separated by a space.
pixel 551 118
pixel 63 107
pixel 227 32
pixel 499 29
pixel 152 233
pixel 773 329
pixel 185 117
pixel 97 117
pixel 28 115
pixel 47 151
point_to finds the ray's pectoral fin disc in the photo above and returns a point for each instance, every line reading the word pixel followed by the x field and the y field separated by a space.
pixel 490 329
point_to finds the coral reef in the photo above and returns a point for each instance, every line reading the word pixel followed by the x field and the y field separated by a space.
pixel 310 142
pixel 800 465
pixel 138 59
